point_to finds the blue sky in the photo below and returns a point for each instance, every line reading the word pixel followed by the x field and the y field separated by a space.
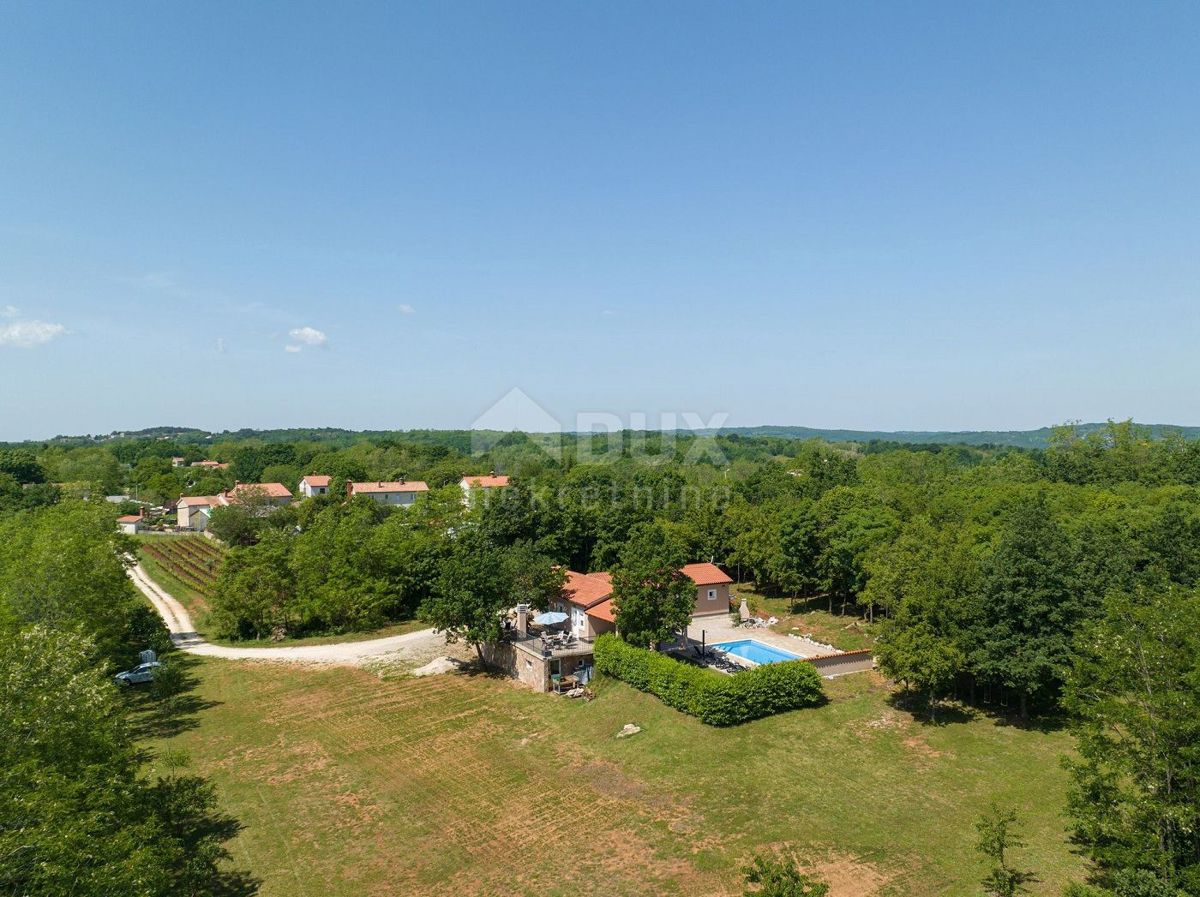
pixel 884 216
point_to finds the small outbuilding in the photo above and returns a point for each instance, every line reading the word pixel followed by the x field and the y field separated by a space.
pixel 130 524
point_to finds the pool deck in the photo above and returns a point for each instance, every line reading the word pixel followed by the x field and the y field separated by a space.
pixel 719 628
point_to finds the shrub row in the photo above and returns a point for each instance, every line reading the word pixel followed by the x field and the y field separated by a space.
pixel 716 699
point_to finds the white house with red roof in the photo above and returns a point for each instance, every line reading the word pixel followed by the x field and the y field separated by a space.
pixel 313 485
pixel 587 598
pixel 473 486
pixel 130 524
pixel 273 494
pixel 193 511
pixel 398 493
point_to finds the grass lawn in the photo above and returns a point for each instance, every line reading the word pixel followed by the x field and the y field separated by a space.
pixel 847 632
pixel 469 785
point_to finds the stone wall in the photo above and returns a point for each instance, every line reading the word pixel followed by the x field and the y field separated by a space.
pixel 526 667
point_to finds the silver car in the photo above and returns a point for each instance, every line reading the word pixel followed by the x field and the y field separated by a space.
pixel 143 672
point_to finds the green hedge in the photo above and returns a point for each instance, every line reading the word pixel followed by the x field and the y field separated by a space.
pixel 717 699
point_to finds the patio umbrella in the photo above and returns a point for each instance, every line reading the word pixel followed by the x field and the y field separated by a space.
pixel 550 618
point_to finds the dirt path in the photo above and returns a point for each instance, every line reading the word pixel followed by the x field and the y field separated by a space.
pixel 184 636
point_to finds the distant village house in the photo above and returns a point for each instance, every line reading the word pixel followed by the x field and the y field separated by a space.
pixel 193 511
pixel 474 486
pixel 314 485
pixel 401 493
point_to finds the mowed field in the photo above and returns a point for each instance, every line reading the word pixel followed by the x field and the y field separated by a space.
pixel 469 785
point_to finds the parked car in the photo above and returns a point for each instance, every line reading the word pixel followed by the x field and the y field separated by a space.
pixel 143 672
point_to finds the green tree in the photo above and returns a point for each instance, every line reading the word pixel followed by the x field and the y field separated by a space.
pixel 237 525
pixel 22 465
pixel 773 877
pixel 996 837
pixel 915 654
pixel 1029 604
pixel 1134 692
pixel 653 600
pixel 255 595
pixel 78 814
pixel 64 565
pixel 479 582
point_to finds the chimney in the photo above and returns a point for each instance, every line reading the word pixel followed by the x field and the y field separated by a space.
pixel 522 619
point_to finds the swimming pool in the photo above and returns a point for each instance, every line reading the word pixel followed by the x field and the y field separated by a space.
pixel 756 652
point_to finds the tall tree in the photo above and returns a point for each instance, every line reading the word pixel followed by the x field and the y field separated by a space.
pixel 1029 605
pixel 479 582
pixel 652 597
pixel 1134 691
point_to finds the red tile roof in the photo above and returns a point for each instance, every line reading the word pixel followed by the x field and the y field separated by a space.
pixel 586 589
pixel 212 465
pixel 705 574
pixel 130 518
pixel 378 487
pixel 488 482
pixel 198 501
pixel 603 611
pixel 317 482
pixel 271 490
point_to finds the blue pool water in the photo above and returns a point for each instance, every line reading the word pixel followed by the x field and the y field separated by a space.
pixel 755 652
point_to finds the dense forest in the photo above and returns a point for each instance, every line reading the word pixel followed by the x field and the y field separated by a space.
pixel 1054 585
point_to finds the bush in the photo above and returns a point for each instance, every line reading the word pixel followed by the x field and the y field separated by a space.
pixel 716 699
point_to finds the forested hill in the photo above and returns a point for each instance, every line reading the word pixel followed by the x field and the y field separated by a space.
pixel 1039 438
pixel 461 439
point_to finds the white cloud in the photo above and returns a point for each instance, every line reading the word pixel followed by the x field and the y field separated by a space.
pixel 306 337
pixel 309 336
pixel 9 311
pixel 220 345
pixel 406 309
pixel 27 334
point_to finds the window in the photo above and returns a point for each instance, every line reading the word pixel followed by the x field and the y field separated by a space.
pixel 712 594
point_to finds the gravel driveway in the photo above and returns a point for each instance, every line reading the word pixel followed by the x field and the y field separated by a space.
pixel 422 644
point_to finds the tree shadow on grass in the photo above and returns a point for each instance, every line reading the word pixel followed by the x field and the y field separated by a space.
pixel 235 884
pixel 950 712
pixel 1043 723
pixel 154 714
pixel 945 714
